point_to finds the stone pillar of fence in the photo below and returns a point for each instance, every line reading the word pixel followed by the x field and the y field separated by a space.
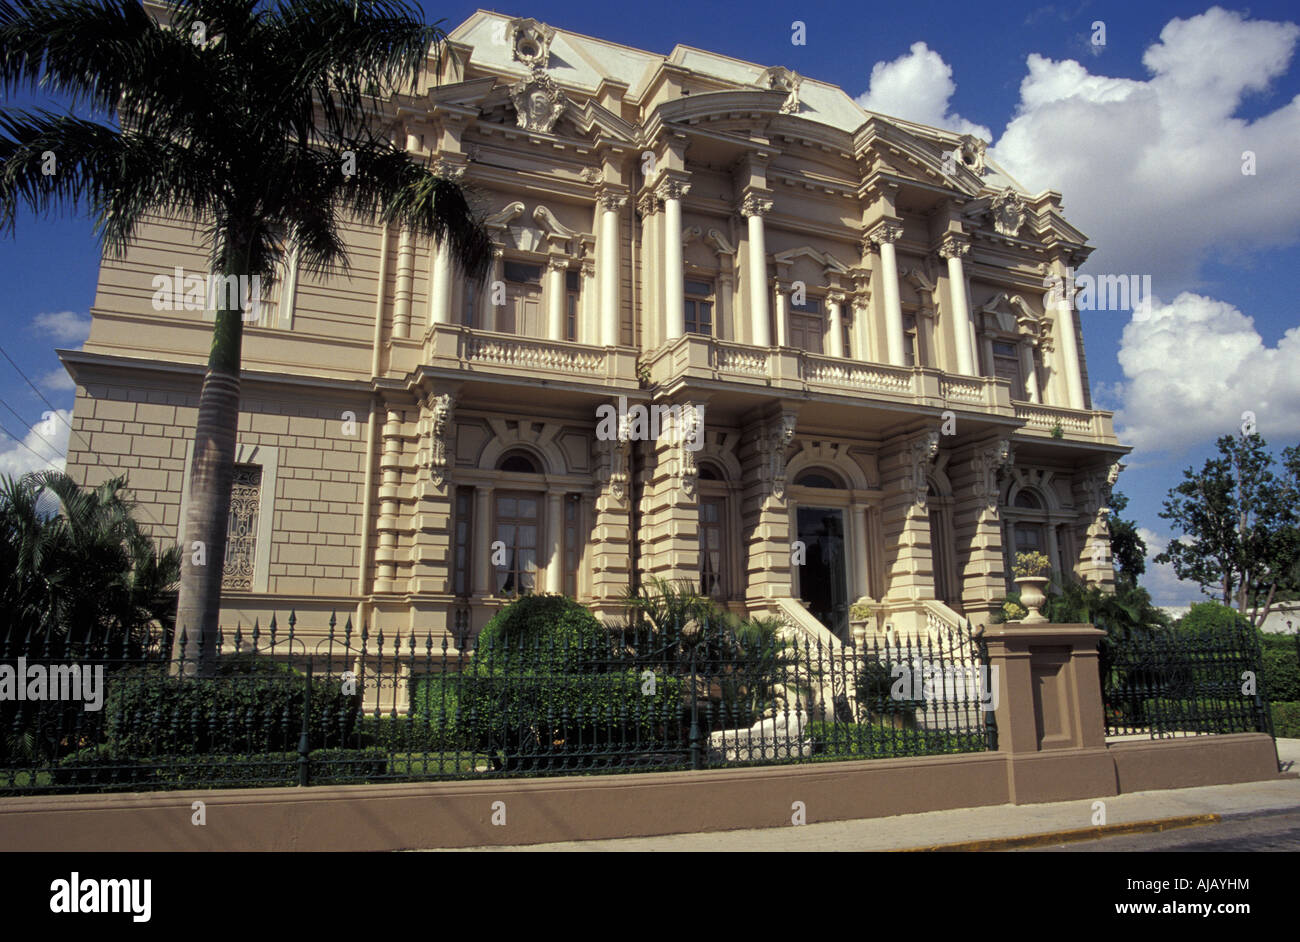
pixel 1049 711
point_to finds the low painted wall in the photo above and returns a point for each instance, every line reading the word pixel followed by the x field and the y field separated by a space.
pixel 461 814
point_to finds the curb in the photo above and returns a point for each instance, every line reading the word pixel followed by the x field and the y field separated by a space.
pixel 1067 837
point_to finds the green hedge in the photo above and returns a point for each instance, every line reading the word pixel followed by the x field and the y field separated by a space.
pixel 100 769
pixel 882 741
pixel 545 633
pixel 1286 720
pixel 149 713
pixel 1281 667
pixel 496 708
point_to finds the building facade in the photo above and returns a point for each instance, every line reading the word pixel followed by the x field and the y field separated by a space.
pixel 872 387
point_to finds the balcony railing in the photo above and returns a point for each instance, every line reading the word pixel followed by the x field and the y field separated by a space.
pixel 1073 423
pixel 480 350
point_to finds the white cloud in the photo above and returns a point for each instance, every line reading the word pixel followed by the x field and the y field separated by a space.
pixel 62 326
pixel 1193 366
pixel 916 87
pixel 1159 578
pixel 48 439
pixel 57 380
pixel 1152 170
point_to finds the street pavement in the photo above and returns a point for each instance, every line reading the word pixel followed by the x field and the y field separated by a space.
pixel 1253 816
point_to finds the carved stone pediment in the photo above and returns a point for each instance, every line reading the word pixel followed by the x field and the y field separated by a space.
pixel 538 102
pixel 1007 212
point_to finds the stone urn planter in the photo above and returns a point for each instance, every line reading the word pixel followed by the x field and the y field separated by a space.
pixel 1031 574
pixel 1032 598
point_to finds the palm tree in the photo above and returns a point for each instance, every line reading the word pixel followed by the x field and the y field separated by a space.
pixel 79 568
pixel 254 118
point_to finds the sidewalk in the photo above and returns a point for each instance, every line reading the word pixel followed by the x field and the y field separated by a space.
pixel 980 824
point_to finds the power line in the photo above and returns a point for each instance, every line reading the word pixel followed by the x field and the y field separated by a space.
pixel 48 461
pixel 53 408
pixel 31 428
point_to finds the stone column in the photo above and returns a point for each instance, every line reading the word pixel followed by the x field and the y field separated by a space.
pixel 610 202
pixel 904 467
pixel 489 319
pixel 390 464
pixel 978 531
pixel 754 208
pixel 1028 368
pixel 556 269
pixel 671 191
pixel 953 248
pixel 482 565
pixel 861 514
pixel 440 285
pixel 555 539
pixel 782 307
pixel 883 236
pixel 835 308
pixel 1068 358
pixel 651 324
pixel 405 277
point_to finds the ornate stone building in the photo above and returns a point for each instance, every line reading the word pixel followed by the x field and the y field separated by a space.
pixel 892 399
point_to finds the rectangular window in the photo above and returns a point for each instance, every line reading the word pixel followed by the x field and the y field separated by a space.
pixel 463 551
pixel 518 529
pixel 572 544
pixel 712 514
pixel 572 288
pixel 522 273
pixel 909 341
pixel 807 325
pixel 469 317
pixel 699 307
pixel 241 530
pixel 1006 364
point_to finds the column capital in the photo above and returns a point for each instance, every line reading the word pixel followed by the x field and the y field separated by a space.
pixel 611 198
pixel 442 166
pixel 755 203
pixel 647 204
pixel 954 245
pixel 884 231
pixel 674 186
pixel 836 297
pixel 557 263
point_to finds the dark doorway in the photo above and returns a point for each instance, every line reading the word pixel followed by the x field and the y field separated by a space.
pixel 822 579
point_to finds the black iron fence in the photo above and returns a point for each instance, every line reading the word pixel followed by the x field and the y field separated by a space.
pixel 284 706
pixel 1165 683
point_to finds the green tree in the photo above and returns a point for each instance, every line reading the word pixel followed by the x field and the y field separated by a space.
pixel 1239 521
pixel 1127 548
pixel 253 118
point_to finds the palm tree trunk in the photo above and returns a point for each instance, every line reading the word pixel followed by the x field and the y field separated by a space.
pixel 198 608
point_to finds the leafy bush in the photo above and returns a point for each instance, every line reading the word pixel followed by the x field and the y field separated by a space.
pixel 1286 720
pixel 875 689
pixel 1209 618
pixel 101 769
pixel 882 741
pixel 548 632
pixel 149 713
pixel 1281 669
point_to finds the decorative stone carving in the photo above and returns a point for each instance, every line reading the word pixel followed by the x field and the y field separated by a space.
pixel 611 200
pixel 612 458
pixel 953 246
pixel 755 204
pixel 647 204
pixel 887 230
pixel 780 79
pixel 592 175
pixel 508 214
pixel 989 464
pixel 530 42
pixel 687 445
pixel 673 188
pixel 972 151
pixel 538 102
pixel 775 437
pixel 1007 212
pixel 441 408
pixel 917 456
pixel 441 167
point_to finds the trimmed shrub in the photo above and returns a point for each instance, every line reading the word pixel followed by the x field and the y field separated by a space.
pixel 875 688
pixel 1281 667
pixel 549 633
pixel 149 713
pixel 1208 618
pixel 881 741
pixel 100 769
pixel 1286 720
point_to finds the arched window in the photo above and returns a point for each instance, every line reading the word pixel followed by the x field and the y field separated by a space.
pixel 1028 500
pixel 818 477
pixel 519 462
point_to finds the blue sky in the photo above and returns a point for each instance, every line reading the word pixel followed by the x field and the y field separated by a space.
pixel 1143 135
